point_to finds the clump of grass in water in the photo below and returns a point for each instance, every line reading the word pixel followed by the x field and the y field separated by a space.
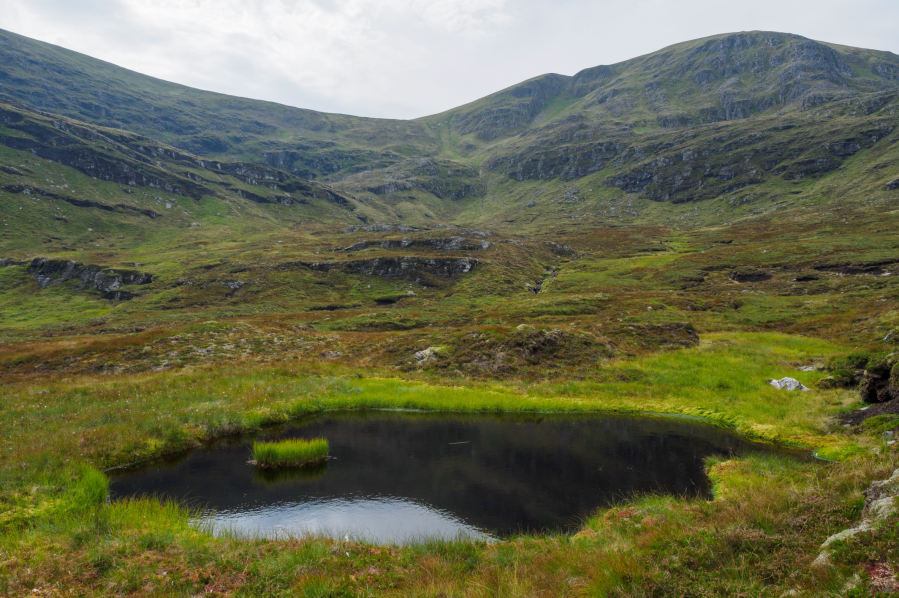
pixel 290 453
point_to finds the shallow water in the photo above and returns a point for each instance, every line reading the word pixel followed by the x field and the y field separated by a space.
pixel 401 476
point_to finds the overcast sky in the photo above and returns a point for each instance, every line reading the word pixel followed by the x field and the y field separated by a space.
pixel 410 58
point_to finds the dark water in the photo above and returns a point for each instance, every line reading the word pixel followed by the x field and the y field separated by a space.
pixel 397 476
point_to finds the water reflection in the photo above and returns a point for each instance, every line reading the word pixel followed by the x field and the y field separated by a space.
pixel 395 476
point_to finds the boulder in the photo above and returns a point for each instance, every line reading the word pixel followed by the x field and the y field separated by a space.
pixel 788 384
pixel 428 354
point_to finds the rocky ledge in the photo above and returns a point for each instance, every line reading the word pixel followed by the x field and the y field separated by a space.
pixel 448 244
pixel 108 281
pixel 410 268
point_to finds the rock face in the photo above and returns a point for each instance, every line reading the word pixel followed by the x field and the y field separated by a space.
pixel 108 281
pixel 409 268
pixel 893 185
pixel 135 161
pixel 444 179
pixel 790 384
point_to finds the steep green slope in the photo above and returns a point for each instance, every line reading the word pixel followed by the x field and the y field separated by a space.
pixel 63 183
pixel 305 142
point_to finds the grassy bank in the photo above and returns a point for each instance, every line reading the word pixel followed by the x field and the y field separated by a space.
pixel 58 534
pixel 115 420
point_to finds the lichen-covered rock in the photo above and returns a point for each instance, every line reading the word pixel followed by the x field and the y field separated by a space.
pixel 49 272
pixel 880 503
pixel 428 354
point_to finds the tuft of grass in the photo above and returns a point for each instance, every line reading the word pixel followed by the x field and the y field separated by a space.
pixel 290 453
pixel 91 488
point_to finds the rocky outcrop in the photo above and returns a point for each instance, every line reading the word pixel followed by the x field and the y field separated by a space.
pixel 880 383
pixel 80 203
pixel 587 80
pixel 309 160
pixel 875 268
pixel 880 503
pixel 135 161
pixel 444 179
pixel 749 276
pixel 427 355
pixel 59 145
pixel 510 111
pixel 408 268
pixel 448 244
pixel 380 228
pixel 105 280
pixel 893 185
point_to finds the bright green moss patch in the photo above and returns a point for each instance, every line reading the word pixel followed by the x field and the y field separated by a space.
pixel 295 452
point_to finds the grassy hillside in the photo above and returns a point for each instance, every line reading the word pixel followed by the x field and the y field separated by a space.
pixel 311 143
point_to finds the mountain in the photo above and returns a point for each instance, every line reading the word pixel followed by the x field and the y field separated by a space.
pixel 711 131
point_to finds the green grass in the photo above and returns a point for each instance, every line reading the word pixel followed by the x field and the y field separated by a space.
pixel 295 452
pixel 119 419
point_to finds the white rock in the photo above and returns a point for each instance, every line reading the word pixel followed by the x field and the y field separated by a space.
pixel 864 526
pixel 428 353
pixel 788 384
pixel 883 508
pixel 823 560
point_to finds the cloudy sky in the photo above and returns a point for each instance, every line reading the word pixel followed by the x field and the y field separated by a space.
pixel 409 58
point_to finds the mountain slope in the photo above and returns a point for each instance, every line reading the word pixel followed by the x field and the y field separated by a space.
pixel 311 143
pixel 753 122
pixel 721 78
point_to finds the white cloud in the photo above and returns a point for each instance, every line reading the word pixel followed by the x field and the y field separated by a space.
pixel 407 58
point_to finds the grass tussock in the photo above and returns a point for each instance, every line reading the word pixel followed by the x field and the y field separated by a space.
pixel 295 452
